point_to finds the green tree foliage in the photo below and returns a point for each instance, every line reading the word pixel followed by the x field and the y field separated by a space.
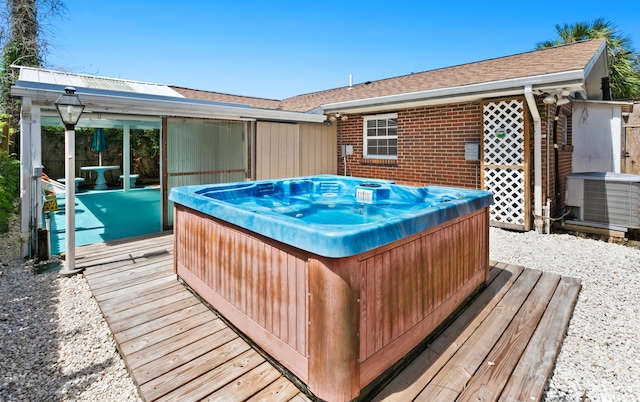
pixel 9 178
pixel 23 42
pixel 9 186
pixel 624 62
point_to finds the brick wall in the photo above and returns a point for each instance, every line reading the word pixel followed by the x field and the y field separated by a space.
pixel 431 144
pixel 431 148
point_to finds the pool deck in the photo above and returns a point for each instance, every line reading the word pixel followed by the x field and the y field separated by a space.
pixel 502 346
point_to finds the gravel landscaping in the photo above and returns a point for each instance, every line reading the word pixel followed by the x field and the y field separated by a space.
pixel 600 356
pixel 55 345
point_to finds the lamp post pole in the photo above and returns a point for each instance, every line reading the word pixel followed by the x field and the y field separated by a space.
pixel 70 108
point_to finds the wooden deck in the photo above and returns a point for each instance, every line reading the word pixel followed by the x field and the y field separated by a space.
pixel 502 347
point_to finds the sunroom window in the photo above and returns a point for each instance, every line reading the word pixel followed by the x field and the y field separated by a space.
pixel 381 136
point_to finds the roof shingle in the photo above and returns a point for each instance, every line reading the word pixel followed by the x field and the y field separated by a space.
pixel 260 103
pixel 570 57
pixel 540 62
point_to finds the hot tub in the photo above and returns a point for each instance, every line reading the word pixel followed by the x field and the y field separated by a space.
pixel 336 278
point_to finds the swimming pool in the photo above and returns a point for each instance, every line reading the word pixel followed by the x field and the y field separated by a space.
pixel 337 278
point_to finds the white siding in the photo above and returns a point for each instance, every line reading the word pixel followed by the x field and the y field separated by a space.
pixel 318 149
pixel 290 150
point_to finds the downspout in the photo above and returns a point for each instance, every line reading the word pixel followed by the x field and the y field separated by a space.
pixel 556 176
pixel 537 159
pixel 26 185
pixel 547 205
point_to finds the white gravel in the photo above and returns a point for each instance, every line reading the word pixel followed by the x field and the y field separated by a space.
pixel 55 345
pixel 600 356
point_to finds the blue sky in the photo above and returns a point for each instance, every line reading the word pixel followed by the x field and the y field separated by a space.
pixel 277 49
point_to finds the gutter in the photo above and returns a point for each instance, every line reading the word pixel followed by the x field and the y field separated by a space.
pixel 572 80
pixel 537 159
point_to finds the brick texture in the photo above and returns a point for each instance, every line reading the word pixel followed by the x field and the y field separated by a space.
pixel 431 148
pixel 431 144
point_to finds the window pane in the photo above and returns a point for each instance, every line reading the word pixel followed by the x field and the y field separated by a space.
pixel 381 136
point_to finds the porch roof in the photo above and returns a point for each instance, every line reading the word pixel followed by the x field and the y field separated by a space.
pixel 108 96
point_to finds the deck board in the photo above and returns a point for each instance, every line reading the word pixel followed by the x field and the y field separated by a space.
pixel 529 378
pixel 494 372
pixel 112 306
pixel 200 338
pixel 183 354
pixel 136 338
pixel 503 346
pixel 127 265
pixel 180 380
pixel 216 376
pixel 281 390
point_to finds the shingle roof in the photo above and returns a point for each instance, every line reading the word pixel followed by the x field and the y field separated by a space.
pixel 570 57
pixel 260 103
pixel 558 59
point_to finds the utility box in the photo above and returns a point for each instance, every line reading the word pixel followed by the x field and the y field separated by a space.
pixel 472 151
pixel 37 171
pixel 347 150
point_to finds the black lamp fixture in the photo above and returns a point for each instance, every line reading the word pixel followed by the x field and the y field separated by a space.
pixel 69 107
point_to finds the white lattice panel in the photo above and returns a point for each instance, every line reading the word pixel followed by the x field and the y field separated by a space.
pixel 503 133
pixel 508 195
pixel 503 160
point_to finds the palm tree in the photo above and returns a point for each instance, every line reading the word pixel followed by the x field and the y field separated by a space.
pixel 624 62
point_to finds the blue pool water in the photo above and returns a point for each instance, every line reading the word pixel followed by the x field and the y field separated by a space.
pixel 107 215
pixel 332 216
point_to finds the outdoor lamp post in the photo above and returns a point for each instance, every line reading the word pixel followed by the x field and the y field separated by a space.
pixel 70 108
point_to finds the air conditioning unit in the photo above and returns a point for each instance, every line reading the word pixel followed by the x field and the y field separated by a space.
pixel 605 198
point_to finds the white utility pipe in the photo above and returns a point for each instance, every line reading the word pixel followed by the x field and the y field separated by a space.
pixel 26 174
pixel 537 159
pixel 36 160
pixel 126 157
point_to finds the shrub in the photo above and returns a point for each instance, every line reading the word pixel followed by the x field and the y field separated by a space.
pixel 9 187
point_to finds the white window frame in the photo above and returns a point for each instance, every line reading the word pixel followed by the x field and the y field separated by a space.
pixel 565 130
pixel 365 138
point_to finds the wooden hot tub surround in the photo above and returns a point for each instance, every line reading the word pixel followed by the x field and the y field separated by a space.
pixel 336 323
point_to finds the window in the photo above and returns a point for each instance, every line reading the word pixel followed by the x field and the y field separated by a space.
pixel 565 130
pixel 381 136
